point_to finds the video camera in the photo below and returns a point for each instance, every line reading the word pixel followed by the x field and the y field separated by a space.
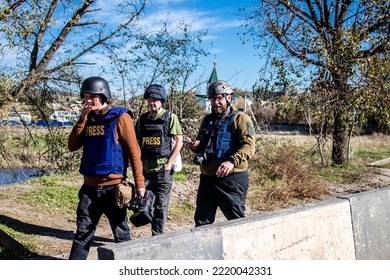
pixel 142 206
pixel 200 158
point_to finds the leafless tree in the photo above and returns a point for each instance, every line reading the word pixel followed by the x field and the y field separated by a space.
pixel 333 36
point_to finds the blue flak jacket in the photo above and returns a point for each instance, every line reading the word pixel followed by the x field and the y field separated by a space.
pixel 225 143
pixel 102 155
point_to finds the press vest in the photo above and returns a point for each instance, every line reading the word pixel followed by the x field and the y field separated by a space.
pixel 155 140
pixel 217 140
pixel 102 155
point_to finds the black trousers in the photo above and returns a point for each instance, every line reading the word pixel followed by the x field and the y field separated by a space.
pixel 93 203
pixel 228 193
pixel 160 183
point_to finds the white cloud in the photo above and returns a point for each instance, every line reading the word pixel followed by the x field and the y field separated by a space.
pixel 199 20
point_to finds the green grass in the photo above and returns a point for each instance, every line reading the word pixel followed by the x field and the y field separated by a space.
pixel 51 181
pixel 187 208
pixel 29 242
pixel 180 176
pixel 372 155
pixel 5 255
pixel 364 154
pixel 4 195
pixel 50 194
pixel 345 173
pixel 56 198
pixel 53 195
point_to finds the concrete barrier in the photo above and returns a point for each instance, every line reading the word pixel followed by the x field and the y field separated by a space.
pixel 346 228
pixel 181 245
pixel 370 212
pixel 310 232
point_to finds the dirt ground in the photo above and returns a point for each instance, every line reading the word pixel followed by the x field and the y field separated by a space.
pixel 55 230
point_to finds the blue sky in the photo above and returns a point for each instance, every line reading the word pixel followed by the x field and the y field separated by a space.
pixel 236 63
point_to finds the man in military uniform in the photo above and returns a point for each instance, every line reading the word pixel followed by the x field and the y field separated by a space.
pixel 223 146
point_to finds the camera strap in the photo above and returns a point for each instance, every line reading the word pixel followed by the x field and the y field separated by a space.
pixel 209 147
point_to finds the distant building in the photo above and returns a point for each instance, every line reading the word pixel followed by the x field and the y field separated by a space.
pixel 17 118
pixel 214 75
pixel 64 116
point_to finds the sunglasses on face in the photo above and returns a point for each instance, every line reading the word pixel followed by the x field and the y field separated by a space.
pixel 217 98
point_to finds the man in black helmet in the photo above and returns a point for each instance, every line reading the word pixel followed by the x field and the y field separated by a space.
pixel 157 130
pixel 108 139
pixel 223 146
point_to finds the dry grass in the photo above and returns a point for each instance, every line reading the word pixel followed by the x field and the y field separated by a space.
pixel 286 170
pixel 279 178
pixel 32 147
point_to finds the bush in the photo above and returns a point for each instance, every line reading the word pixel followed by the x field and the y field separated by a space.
pixel 279 177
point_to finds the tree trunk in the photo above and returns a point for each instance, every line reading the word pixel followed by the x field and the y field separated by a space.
pixel 340 149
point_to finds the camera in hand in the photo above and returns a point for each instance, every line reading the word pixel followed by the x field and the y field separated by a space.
pixel 199 159
pixel 142 206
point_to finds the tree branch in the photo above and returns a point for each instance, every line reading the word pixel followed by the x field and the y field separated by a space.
pixel 97 43
pixel 7 11
pixel 41 32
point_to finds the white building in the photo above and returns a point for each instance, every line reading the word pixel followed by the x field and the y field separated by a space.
pixel 64 116
pixel 19 117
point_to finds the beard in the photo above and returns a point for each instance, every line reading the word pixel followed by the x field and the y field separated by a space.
pixel 220 110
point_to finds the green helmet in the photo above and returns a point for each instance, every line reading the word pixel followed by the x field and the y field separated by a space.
pixel 219 88
pixel 95 85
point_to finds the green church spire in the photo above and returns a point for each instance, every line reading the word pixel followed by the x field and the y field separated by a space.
pixel 214 76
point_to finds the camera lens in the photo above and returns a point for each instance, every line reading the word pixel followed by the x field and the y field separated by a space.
pixel 198 159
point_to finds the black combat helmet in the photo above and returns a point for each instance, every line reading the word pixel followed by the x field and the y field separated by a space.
pixel 95 85
pixel 156 91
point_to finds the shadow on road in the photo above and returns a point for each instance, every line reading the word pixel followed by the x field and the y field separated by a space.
pixel 17 250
